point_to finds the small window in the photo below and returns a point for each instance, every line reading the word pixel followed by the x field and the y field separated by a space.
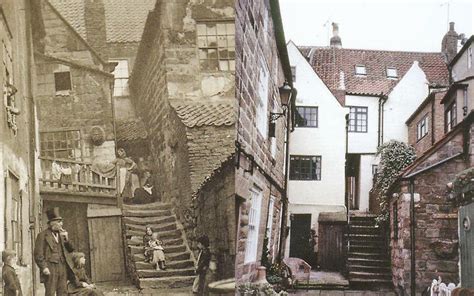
pixel 216 44
pixel 307 117
pixel 450 117
pixel 305 168
pixel 360 70
pixel 392 72
pixel 121 75
pixel 293 73
pixel 251 248
pixel 62 81
pixel 358 120
pixel 422 128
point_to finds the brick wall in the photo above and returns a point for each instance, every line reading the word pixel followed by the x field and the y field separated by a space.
pixel 435 124
pixel 435 218
pixel 214 209
pixel 256 52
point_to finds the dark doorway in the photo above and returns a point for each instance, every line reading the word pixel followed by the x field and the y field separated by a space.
pixel 300 236
pixel 352 179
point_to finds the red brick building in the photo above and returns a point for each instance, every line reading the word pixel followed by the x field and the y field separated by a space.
pixel 260 186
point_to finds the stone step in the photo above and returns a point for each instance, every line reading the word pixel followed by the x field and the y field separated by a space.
pixel 170 257
pixel 150 206
pixel 163 235
pixel 369 255
pixel 354 229
pixel 142 265
pixel 138 241
pixel 150 273
pixel 168 249
pixel 368 262
pixel 367 282
pixel 148 220
pixel 147 212
pixel 370 275
pixel 155 227
pixel 364 268
pixel 166 282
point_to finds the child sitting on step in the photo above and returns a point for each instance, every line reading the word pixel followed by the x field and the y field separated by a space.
pixel 155 245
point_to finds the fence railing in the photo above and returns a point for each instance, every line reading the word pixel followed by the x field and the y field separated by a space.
pixel 65 175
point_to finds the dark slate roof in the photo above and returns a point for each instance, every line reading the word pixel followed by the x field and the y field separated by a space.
pixel 131 130
pixel 196 114
pixel 330 62
pixel 124 19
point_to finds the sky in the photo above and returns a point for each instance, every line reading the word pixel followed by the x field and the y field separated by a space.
pixel 408 25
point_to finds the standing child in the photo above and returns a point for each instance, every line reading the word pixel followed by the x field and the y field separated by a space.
pixel 11 284
pixel 204 259
pixel 156 246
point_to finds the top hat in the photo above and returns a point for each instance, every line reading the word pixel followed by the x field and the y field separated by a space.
pixel 53 214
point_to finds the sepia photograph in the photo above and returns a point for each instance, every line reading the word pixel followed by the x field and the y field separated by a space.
pixel 237 147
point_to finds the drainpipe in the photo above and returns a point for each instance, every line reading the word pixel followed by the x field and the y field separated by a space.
pixel 412 238
pixel 383 98
pixel 433 120
pixel 285 186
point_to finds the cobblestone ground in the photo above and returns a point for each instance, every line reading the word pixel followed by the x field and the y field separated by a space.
pixel 342 293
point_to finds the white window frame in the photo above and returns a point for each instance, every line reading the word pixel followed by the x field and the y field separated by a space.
pixel 261 113
pixel 293 73
pixel 251 247
pixel 269 229
pixel 392 72
pixel 121 79
pixel 422 128
pixel 360 70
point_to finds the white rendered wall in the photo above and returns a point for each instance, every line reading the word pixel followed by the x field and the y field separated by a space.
pixel 327 140
pixel 366 180
pixel 364 142
pixel 405 97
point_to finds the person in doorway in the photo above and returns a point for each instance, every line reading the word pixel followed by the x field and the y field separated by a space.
pixel 52 251
pixel 204 259
pixel 80 283
pixel 11 284
pixel 144 194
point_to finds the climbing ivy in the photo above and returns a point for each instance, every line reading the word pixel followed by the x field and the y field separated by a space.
pixel 394 157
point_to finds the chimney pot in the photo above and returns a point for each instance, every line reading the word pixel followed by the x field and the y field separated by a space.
pixel 335 39
pixel 451 26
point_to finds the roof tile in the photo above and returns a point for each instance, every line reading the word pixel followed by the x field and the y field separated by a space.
pixel 131 130
pixel 196 115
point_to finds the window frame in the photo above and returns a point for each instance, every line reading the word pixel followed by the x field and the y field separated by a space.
pixel 391 76
pixel 419 127
pixel 355 119
pixel 469 57
pixel 293 73
pixel 358 73
pixel 229 35
pixel 251 246
pixel 69 76
pixel 297 176
pixel 310 108
pixel 14 239
pixel 44 142
pixel 451 112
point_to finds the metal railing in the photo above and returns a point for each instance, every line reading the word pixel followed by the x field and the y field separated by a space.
pixel 66 175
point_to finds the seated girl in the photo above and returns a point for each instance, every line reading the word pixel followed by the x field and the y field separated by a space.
pixel 155 245
pixel 80 283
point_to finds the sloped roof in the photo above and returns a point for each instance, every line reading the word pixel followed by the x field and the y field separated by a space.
pixel 196 115
pixel 124 19
pixel 131 130
pixel 330 62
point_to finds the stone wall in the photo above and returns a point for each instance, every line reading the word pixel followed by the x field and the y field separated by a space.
pixel 436 230
pixel 214 209
pixel 257 58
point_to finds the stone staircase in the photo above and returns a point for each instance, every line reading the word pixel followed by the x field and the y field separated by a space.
pixel 368 259
pixel 179 258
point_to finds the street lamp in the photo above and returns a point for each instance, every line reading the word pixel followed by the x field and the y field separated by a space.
pixel 285 93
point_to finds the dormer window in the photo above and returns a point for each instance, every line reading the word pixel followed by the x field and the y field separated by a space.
pixel 392 72
pixel 360 70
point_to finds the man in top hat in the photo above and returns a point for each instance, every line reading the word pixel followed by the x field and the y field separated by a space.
pixel 52 249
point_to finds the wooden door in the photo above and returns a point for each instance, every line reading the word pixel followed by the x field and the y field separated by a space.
pixel 331 246
pixel 300 236
pixel 466 240
pixel 106 244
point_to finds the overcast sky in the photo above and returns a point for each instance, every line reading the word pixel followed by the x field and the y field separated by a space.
pixel 410 25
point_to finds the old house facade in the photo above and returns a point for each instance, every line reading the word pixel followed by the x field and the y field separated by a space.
pixel 19 196
pixel 424 223
pixel 182 85
pixel 264 123
pixel 77 143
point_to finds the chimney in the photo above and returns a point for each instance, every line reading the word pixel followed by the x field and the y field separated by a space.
pixel 335 41
pixel 94 15
pixel 449 45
